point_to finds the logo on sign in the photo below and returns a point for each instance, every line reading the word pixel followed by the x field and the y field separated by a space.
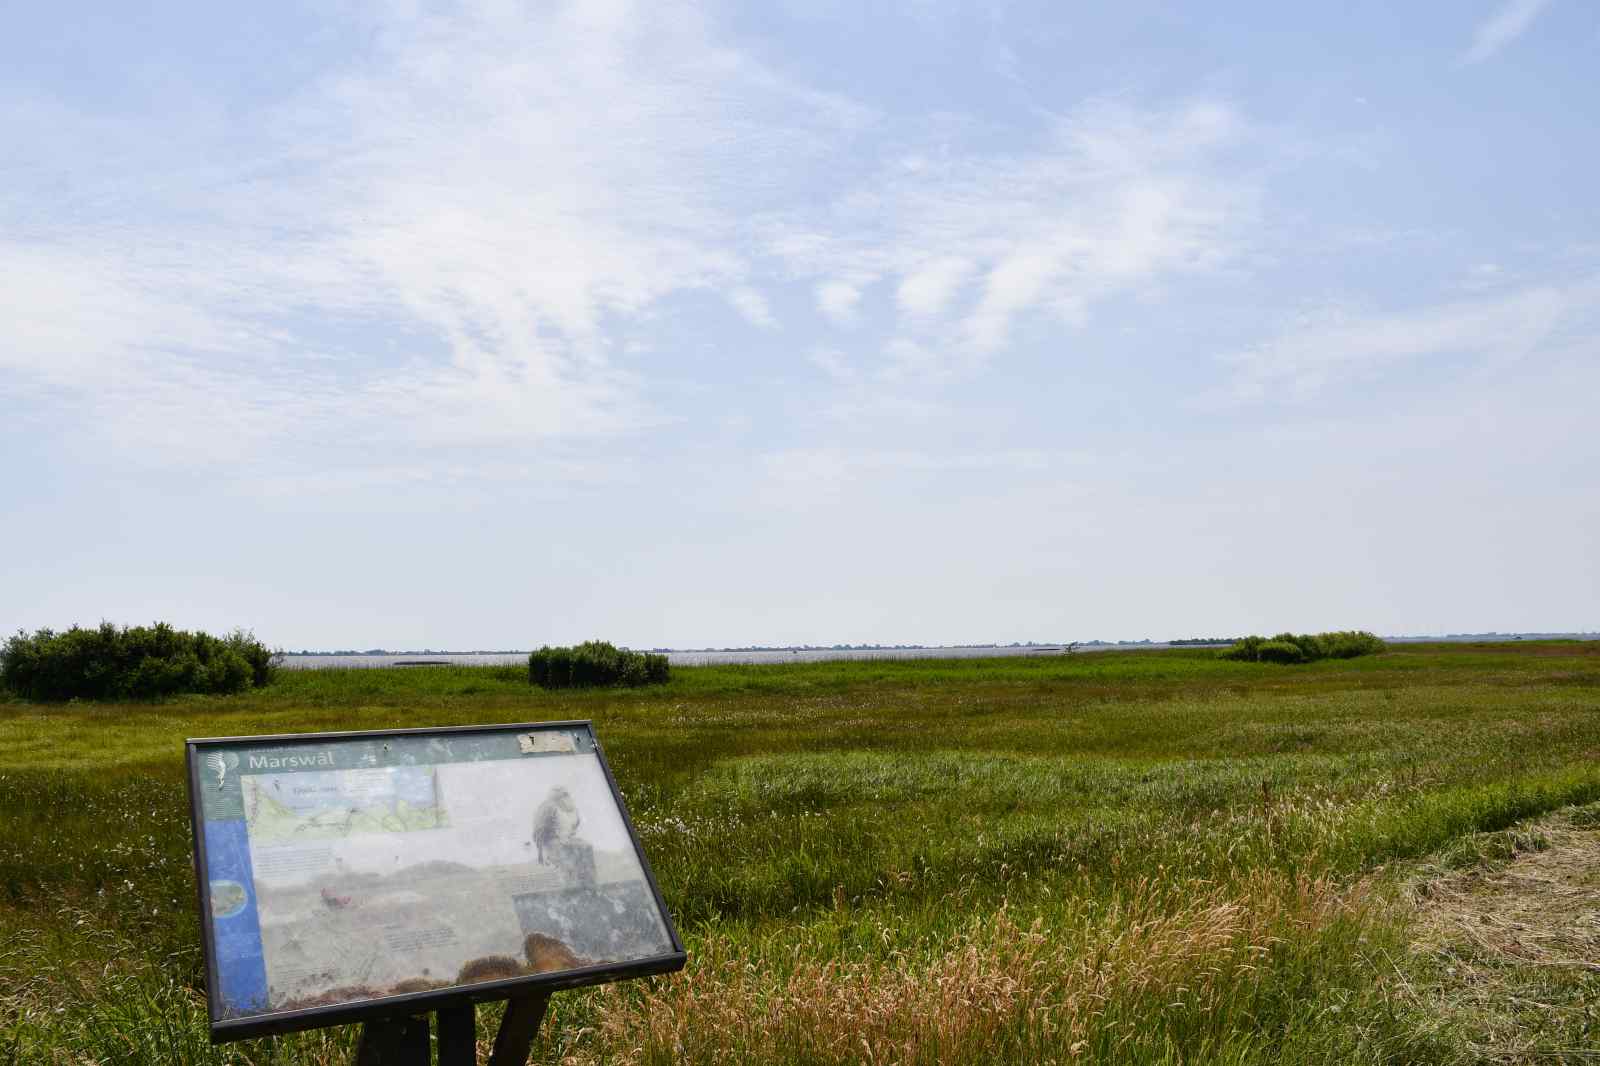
pixel 218 763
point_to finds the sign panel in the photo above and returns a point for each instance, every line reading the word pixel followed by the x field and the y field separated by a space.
pixel 349 875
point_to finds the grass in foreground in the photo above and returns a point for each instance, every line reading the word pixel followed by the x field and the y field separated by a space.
pixel 1135 857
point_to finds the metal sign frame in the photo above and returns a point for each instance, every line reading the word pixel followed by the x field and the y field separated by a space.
pixel 225 1029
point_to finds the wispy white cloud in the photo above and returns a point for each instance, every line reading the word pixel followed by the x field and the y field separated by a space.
pixel 133 333
pixel 927 290
pixel 1507 23
pixel 1115 199
pixel 493 186
pixel 838 301
pixel 749 302
pixel 447 242
pixel 1337 344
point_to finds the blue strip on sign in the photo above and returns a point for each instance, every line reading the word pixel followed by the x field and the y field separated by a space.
pixel 241 969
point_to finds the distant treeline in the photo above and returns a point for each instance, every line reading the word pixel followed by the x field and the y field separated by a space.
pixel 594 664
pixel 112 662
pixel 1290 648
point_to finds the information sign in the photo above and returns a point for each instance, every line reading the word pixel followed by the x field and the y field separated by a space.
pixel 349 876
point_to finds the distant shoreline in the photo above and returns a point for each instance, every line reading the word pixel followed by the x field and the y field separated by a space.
pixel 1445 639
pixel 814 653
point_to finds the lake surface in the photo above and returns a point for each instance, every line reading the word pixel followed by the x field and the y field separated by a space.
pixel 713 656
pixel 709 656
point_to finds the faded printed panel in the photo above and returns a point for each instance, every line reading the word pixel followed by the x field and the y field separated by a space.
pixel 373 880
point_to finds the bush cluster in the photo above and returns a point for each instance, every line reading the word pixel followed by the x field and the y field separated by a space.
pixel 1289 648
pixel 112 662
pixel 592 664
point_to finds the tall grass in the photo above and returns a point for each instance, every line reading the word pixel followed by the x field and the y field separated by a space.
pixel 1142 857
pixel 1141 975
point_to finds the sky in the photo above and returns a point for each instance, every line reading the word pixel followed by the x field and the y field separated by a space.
pixel 490 324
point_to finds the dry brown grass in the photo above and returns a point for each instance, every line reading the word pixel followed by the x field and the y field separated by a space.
pixel 1542 910
pixel 1515 942
pixel 999 986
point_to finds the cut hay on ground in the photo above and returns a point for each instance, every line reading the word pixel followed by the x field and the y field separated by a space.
pixel 1514 939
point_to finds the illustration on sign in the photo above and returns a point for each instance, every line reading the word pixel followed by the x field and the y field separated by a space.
pixel 362 866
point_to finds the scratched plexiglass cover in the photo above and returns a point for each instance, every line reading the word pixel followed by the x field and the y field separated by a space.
pixel 344 870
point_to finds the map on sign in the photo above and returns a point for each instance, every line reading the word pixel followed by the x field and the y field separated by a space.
pixel 350 868
pixel 341 803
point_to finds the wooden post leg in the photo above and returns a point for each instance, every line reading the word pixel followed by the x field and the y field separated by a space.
pixel 379 1045
pixel 414 1049
pixel 517 1030
pixel 394 1042
pixel 458 1036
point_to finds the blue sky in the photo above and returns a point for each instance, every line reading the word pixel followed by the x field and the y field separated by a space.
pixel 490 324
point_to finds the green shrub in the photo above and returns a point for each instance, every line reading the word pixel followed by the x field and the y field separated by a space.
pixel 1308 644
pixel 1306 647
pixel 1280 651
pixel 1349 643
pixel 1244 650
pixel 110 662
pixel 595 664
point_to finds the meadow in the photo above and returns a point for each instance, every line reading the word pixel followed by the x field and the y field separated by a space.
pixel 1138 857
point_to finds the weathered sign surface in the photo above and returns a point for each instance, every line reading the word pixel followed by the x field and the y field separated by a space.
pixel 338 872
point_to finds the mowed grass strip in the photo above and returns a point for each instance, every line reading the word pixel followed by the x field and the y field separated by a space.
pixel 955 836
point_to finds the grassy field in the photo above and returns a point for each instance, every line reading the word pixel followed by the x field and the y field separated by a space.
pixel 1129 857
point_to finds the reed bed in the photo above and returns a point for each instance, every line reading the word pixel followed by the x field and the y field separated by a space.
pixel 1125 981
pixel 1147 857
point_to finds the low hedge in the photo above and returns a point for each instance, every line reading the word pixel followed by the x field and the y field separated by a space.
pixel 112 662
pixel 595 664
pixel 1289 648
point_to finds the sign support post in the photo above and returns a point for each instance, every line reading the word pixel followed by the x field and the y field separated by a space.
pixel 394 1042
pixel 458 1035
pixel 404 1041
pixel 521 1024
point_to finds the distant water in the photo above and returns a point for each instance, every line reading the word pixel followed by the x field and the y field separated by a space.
pixel 344 662
pixel 712 656
pixel 707 657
